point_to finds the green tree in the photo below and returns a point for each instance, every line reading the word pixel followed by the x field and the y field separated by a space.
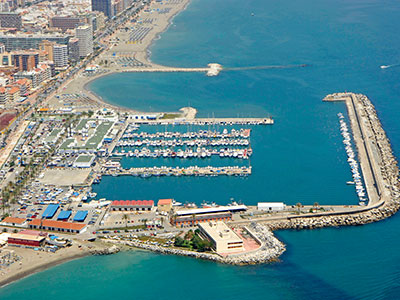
pixel 126 218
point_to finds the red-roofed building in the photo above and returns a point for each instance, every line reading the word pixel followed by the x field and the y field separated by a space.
pixel 3 95
pixel 11 221
pixel 164 205
pixel 13 93
pixel 132 205
pixel 57 226
pixel 25 85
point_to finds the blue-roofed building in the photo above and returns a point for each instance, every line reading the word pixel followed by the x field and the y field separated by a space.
pixel 80 216
pixel 50 211
pixel 64 215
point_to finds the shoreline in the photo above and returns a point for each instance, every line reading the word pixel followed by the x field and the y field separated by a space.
pixel 141 52
pixel 33 262
pixel 33 270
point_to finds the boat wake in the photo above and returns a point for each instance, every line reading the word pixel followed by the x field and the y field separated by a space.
pixel 389 66
pixel 266 67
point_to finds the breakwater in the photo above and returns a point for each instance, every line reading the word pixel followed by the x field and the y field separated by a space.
pixel 379 166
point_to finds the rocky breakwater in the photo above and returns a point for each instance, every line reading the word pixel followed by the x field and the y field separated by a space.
pixel 270 248
pixel 389 202
pixel 106 251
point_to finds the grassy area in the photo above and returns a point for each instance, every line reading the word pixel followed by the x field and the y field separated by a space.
pixel 171 116
pixel 153 239
pixel 122 229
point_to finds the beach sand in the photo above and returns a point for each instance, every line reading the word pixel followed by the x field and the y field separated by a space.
pixel 139 50
pixel 36 261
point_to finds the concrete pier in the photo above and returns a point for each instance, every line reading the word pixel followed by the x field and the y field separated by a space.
pixel 209 121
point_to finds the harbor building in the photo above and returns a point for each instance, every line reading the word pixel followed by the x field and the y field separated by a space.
pixel 191 217
pixel 104 6
pixel 57 226
pixel 85 36
pixel 164 205
pixel 133 205
pixel 223 239
pixel 12 221
pixel 194 219
pixel 270 206
pixel 27 240
pixel 10 20
pixel 84 161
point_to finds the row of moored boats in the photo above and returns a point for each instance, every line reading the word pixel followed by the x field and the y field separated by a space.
pixel 188 153
pixel 357 181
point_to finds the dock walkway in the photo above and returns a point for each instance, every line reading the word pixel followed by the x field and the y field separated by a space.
pixel 177 171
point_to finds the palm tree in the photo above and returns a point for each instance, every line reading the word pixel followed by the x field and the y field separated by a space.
pixel 125 217
pixel 298 205
pixel 193 219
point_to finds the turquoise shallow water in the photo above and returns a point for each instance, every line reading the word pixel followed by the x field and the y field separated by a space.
pixel 300 158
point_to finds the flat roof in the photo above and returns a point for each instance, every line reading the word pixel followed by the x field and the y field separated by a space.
pixel 80 215
pixel 82 123
pixel 207 210
pixel 271 204
pixel 84 158
pixel 26 237
pixel 50 211
pixel 64 215
pixel 220 232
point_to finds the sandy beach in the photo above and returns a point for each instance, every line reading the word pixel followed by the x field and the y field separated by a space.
pixel 155 18
pixel 36 261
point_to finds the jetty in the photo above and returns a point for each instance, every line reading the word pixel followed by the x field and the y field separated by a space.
pixel 366 143
pixel 212 70
pixel 145 172
pixel 207 121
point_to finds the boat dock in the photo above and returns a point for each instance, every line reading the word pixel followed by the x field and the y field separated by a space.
pixel 177 171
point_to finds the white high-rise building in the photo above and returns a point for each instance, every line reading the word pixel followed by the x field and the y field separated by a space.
pixel 85 35
pixel 60 55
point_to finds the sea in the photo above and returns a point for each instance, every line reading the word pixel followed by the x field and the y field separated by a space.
pixel 301 158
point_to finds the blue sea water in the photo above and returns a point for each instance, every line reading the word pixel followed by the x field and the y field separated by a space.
pixel 299 158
